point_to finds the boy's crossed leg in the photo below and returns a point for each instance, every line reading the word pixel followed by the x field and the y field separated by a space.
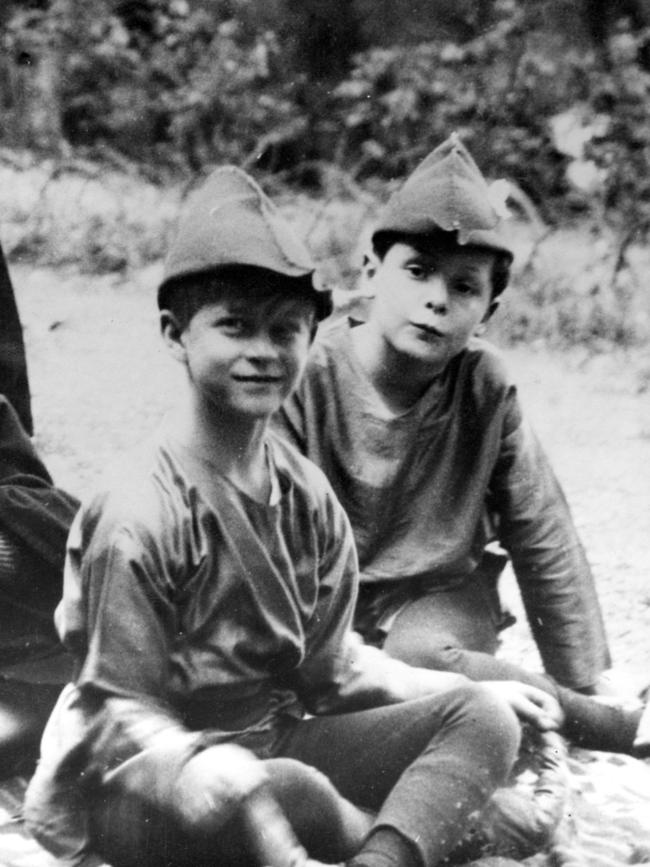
pixel 423 767
pixel 439 631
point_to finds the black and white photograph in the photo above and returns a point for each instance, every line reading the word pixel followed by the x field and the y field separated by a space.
pixel 324 433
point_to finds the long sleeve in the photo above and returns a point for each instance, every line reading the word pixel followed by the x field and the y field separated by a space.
pixel 114 721
pixel 536 528
pixel 90 740
pixel 117 617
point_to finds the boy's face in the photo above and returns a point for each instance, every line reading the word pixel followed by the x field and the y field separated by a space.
pixel 244 356
pixel 427 305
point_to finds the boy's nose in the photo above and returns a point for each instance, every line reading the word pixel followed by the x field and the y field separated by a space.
pixel 262 347
pixel 437 298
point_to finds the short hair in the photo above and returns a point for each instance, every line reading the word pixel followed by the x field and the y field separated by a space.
pixel 184 296
pixel 383 241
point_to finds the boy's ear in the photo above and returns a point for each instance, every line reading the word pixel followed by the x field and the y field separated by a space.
pixel 369 266
pixel 172 334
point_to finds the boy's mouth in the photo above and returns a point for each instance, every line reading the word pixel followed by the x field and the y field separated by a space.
pixel 258 379
pixel 428 330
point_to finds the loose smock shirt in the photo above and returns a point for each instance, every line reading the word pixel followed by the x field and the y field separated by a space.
pixel 197 615
pixel 423 488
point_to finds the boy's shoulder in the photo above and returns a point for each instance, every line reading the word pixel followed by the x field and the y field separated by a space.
pixel 137 492
pixel 486 360
pixel 332 336
pixel 480 374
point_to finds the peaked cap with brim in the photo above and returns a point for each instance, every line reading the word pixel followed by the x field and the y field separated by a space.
pixel 229 221
pixel 446 191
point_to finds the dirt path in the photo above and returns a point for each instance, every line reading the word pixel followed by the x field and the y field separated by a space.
pixel 595 424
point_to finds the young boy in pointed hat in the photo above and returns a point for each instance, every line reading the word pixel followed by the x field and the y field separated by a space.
pixel 418 427
pixel 209 592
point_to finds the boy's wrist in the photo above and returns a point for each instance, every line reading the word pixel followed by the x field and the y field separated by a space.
pixel 424 681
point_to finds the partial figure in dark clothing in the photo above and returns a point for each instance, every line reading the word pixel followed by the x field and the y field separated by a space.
pixel 34 514
pixel 14 383
pixel 35 517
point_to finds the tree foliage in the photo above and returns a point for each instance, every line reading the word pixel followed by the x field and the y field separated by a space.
pixel 297 85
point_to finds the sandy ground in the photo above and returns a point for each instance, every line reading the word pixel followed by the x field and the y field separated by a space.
pixel 101 381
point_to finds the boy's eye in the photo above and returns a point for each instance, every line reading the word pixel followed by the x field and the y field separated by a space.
pixel 465 288
pixel 417 271
pixel 287 330
pixel 232 324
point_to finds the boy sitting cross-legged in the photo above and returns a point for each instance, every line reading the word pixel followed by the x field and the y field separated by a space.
pixel 208 599
pixel 418 428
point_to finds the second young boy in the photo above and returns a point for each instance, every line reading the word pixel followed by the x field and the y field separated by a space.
pixel 418 427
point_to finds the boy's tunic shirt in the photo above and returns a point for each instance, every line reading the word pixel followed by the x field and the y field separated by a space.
pixel 196 616
pixel 417 488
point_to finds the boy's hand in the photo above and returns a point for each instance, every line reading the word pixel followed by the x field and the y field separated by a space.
pixel 214 784
pixel 531 704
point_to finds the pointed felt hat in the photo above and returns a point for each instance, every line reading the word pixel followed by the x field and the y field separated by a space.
pixel 230 221
pixel 446 192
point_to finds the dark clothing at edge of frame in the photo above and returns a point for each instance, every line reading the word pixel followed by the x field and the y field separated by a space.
pixel 33 511
pixel 14 383
pixel 35 517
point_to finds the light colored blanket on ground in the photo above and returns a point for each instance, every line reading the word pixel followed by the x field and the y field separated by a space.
pixel 606 820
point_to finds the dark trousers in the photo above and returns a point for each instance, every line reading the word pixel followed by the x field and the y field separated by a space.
pixel 457 631
pixel 422 766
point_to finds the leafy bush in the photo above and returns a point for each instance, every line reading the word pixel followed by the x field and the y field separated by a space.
pixel 84 215
pixel 497 91
pixel 174 86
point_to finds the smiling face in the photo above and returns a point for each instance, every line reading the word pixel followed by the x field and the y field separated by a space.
pixel 428 304
pixel 243 355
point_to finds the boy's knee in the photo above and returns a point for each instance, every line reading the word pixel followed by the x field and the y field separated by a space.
pixel 290 776
pixel 495 725
pixel 489 726
pixel 329 826
pixel 305 794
